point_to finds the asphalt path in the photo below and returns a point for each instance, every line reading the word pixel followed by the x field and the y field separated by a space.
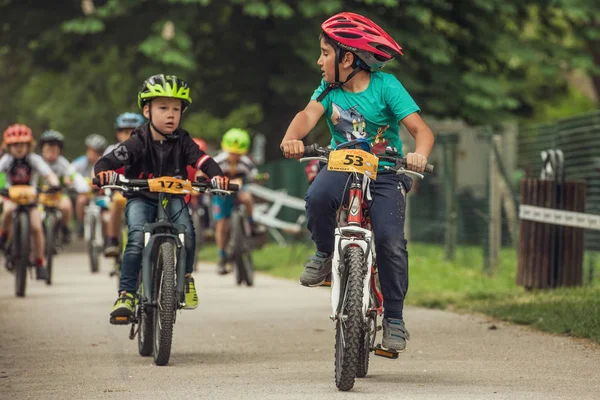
pixel 272 341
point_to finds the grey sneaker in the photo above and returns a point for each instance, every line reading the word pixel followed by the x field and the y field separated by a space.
pixel 395 334
pixel 221 267
pixel 316 270
pixel 41 273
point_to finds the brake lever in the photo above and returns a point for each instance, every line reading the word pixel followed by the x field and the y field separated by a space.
pixel 402 170
pixel 320 158
pixel 116 187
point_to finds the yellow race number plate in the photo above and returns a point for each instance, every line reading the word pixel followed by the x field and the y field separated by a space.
pixel 167 184
pixel 50 199
pixel 22 194
pixel 353 160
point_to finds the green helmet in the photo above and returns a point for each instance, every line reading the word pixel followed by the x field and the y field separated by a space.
pixel 164 86
pixel 236 141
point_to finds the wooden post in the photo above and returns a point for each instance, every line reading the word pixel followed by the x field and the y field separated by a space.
pixel 449 144
pixel 495 207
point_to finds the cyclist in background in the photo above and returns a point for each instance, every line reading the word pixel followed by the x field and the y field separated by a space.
pixel 96 145
pixel 24 167
pixel 237 166
pixel 51 147
pixel 124 126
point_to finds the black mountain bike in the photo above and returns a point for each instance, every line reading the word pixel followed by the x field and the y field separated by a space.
pixel 161 289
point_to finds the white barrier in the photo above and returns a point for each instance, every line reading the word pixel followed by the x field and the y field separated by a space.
pixel 559 217
pixel 267 214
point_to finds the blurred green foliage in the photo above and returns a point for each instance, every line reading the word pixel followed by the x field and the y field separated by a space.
pixel 74 65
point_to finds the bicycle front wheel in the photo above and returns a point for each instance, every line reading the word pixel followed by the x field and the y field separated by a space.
pixel 20 251
pixel 350 325
pixel 93 250
pixel 166 302
pixel 50 242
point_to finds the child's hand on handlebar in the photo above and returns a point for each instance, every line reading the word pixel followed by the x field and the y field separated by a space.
pixel 292 148
pixel 107 178
pixel 220 182
pixel 416 162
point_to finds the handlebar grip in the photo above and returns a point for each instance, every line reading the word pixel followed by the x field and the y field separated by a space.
pixel 429 169
pixel 234 186
pixel 96 181
pixel 311 150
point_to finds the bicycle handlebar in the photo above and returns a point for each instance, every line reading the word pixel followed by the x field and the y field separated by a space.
pixel 126 184
pixel 314 150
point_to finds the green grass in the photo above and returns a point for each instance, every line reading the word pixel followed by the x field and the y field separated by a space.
pixel 460 285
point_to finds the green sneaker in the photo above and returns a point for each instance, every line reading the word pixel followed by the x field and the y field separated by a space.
pixel 191 297
pixel 123 310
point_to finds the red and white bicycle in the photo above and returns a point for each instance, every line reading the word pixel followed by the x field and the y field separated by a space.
pixel 356 299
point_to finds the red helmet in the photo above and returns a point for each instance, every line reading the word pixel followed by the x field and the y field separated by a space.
pixel 363 37
pixel 18 133
pixel 201 144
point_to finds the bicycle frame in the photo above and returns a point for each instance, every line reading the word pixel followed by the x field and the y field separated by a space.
pixel 163 229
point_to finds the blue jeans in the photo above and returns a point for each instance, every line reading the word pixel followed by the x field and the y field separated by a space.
pixel 142 211
pixel 387 208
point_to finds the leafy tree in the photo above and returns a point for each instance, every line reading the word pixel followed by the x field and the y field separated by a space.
pixel 252 63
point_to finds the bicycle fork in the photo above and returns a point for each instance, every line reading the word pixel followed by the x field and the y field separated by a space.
pixel 93 212
pixel 344 237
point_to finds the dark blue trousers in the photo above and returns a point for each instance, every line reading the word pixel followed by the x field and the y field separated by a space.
pixel 140 211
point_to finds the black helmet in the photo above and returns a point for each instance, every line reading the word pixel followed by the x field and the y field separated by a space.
pixel 52 137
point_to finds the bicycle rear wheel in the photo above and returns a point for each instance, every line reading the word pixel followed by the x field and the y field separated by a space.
pixel 20 251
pixel 146 321
pixel 350 325
pixel 166 302
pixel 365 343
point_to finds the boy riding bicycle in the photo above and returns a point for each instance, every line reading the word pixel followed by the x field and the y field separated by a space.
pixel 124 126
pixel 84 165
pixel 158 148
pixel 51 148
pixel 361 102
pixel 24 167
pixel 237 166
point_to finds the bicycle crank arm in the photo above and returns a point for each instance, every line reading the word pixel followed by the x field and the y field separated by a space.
pixel 133 332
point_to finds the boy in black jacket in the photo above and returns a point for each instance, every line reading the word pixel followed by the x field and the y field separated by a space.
pixel 158 148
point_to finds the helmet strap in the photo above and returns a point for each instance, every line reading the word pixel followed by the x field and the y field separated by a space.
pixel 172 136
pixel 337 84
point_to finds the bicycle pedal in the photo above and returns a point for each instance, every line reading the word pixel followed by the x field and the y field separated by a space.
pixel 120 320
pixel 327 281
pixel 387 353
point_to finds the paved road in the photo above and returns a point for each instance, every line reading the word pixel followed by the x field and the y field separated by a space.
pixel 274 341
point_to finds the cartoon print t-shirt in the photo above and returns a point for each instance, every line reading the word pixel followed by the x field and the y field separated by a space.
pixel 372 114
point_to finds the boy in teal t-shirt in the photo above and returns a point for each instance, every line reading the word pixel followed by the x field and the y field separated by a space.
pixel 359 101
